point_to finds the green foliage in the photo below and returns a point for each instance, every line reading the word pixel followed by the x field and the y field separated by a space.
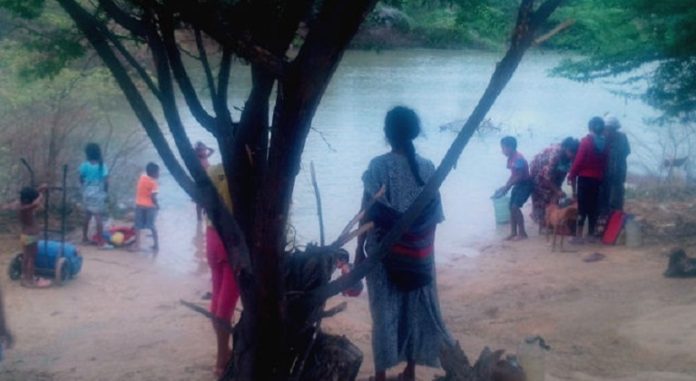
pixel 439 28
pixel 650 42
pixel 396 3
pixel 42 35
pixel 27 9
pixel 51 54
pixel 448 24
pixel 54 99
pixel 490 20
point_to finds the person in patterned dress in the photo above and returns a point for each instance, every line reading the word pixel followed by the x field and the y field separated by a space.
pixel 406 322
pixel 549 170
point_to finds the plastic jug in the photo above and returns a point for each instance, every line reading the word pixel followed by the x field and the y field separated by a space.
pixel 501 207
pixel 634 232
pixel 531 354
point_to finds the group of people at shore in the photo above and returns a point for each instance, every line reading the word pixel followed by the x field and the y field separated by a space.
pixel 595 168
pixel 93 176
pixel 407 326
pixel 94 183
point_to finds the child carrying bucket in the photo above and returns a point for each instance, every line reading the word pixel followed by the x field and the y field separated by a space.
pixel 521 184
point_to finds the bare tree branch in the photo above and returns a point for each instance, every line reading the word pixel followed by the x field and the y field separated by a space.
pixel 220 106
pixel 94 34
pixel 206 193
pixel 203 56
pixel 298 98
pixel 132 61
pixel 166 23
pixel 526 26
pixel 558 29
pixel 242 43
pixel 127 21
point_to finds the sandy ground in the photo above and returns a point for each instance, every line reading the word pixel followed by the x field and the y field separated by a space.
pixel 617 319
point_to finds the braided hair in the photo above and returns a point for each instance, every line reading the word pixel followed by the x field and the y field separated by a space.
pixel 93 153
pixel 401 126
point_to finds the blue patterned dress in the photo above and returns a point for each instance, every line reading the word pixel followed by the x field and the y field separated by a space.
pixel 405 325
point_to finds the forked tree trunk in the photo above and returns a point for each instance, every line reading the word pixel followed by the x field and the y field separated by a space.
pixel 283 293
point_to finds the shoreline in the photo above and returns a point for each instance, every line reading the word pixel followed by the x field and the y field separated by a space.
pixel 617 319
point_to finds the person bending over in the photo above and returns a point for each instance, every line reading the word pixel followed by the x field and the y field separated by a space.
pixel 521 184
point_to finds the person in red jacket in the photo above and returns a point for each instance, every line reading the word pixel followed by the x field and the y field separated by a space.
pixel 586 176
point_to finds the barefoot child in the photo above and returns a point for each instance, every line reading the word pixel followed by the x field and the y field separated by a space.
pixel 146 205
pixel 30 200
pixel 225 291
pixel 521 185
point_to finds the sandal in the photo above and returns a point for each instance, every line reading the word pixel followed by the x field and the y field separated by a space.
pixel 577 241
pixel 594 257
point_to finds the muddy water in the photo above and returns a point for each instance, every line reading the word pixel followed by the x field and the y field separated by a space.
pixel 443 86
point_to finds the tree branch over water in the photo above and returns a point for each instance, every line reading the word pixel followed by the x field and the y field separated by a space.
pixel 528 23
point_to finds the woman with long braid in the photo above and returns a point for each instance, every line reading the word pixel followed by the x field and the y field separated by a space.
pixel 406 321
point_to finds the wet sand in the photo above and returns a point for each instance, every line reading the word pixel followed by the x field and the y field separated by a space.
pixel 617 319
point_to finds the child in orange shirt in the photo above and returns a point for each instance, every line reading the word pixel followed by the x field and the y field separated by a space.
pixel 146 205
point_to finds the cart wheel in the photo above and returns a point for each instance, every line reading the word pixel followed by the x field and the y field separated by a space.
pixel 15 269
pixel 62 271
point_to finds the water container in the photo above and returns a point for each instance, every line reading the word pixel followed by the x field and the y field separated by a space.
pixel 501 207
pixel 634 232
pixel 531 354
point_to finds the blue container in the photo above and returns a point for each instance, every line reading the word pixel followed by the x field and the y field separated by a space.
pixel 501 208
pixel 50 251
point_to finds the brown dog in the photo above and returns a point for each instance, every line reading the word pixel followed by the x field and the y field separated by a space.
pixel 557 219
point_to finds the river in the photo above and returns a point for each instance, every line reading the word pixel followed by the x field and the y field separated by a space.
pixel 443 86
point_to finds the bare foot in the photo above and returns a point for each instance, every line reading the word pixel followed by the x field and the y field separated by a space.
pixel 221 365
pixel 42 283
pixel 511 237
pixel 520 237
pixel 37 283
pixel 404 376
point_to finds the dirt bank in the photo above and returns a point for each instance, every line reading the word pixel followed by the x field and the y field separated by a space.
pixel 617 319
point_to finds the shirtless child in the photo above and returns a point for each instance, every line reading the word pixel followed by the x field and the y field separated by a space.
pixel 30 200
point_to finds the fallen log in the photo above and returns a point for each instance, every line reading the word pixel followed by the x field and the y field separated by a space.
pixel 490 366
pixel 333 358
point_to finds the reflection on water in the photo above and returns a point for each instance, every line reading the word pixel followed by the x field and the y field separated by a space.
pixel 182 238
pixel 443 86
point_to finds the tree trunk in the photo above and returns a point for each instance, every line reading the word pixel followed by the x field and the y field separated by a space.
pixel 490 366
pixel 278 336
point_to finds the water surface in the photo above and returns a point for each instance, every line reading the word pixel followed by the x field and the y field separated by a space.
pixel 443 87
